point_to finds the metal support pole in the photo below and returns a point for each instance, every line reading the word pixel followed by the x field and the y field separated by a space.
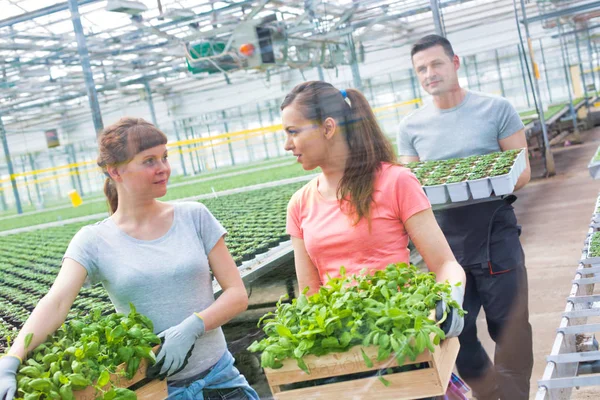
pixel 354 65
pixel 189 147
pixel 224 115
pixel 247 143
pixel 521 55
pixel 85 65
pixel 372 101
pixel 199 160
pixel 11 172
pixel 549 158
pixel 37 187
pixel 597 62
pixel 415 87
pixel 394 94
pixel 585 91
pixel 75 179
pixel 590 59
pixel 3 205
pixel 181 159
pixel 320 72
pixel 86 174
pixel 23 170
pixel 546 72
pixel 565 55
pixel 260 121
pixel 499 74
pixel 56 181
pixel 150 102
pixel 212 147
pixel 437 22
pixel 275 134
pixel 467 75
pixel 476 72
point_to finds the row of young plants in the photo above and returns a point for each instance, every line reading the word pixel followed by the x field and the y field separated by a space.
pixel 553 109
pixel 389 309
pixel 594 245
pixel 432 173
pixel 179 192
pixel 591 251
pixel 30 261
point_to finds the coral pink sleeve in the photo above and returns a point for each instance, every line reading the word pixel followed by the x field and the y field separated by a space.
pixel 292 224
pixel 410 197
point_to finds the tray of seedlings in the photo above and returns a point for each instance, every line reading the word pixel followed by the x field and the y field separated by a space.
pixel 470 178
pixel 595 222
pixel 591 250
pixel 370 335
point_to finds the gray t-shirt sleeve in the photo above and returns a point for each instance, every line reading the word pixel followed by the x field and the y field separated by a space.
pixel 83 249
pixel 404 143
pixel 509 121
pixel 209 229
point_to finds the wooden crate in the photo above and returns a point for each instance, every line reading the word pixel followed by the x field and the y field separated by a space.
pixel 153 390
pixel 430 381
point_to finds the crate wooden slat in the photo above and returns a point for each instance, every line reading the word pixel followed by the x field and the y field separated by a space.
pixel 430 381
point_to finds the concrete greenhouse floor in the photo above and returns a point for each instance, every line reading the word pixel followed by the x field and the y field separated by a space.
pixel 555 214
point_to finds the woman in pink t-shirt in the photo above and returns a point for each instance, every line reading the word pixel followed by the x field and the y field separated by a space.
pixel 362 209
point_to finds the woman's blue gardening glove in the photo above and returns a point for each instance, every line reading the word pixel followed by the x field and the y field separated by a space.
pixel 454 323
pixel 178 342
pixel 8 376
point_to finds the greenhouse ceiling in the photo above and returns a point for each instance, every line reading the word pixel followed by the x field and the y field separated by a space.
pixel 157 42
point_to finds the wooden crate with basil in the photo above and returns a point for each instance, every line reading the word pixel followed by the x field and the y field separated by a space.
pixel 370 335
pixel 93 356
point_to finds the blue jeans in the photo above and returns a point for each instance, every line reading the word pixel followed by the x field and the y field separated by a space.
pixel 222 381
pixel 236 393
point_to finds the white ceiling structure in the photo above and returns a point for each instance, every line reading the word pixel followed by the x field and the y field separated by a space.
pixel 41 73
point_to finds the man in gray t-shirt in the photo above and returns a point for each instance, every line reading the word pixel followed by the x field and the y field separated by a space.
pixel 483 235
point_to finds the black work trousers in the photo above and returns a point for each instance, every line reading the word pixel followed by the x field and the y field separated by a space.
pixel 484 238
pixel 504 300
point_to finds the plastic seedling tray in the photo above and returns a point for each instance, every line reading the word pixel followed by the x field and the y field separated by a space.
pixel 458 191
pixel 586 258
pixel 594 169
pixel 437 194
pixel 503 184
pixel 480 188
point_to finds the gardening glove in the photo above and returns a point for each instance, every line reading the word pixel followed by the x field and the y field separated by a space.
pixel 178 343
pixel 8 376
pixel 454 323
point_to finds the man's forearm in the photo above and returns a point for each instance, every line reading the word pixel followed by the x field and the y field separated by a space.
pixel 523 179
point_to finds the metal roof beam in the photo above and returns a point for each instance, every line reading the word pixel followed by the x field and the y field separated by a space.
pixel 28 16
pixel 565 11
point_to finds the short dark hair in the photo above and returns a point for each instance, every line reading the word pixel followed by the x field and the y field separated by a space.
pixel 429 41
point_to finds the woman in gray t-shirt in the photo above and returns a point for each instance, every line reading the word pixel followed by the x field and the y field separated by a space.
pixel 158 256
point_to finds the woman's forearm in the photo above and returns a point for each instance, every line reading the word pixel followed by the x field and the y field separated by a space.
pixel 232 302
pixel 452 272
pixel 44 320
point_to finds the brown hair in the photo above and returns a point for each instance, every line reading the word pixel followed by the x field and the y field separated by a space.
pixel 429 41
pixel 119 143
pixel 368 145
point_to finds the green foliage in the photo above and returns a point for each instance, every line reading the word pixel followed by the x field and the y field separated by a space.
pixel 88 350
pixel 389 309
pixel 430 173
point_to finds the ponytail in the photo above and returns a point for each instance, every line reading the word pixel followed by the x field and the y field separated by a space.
pixel 368 146
pixel 112 197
